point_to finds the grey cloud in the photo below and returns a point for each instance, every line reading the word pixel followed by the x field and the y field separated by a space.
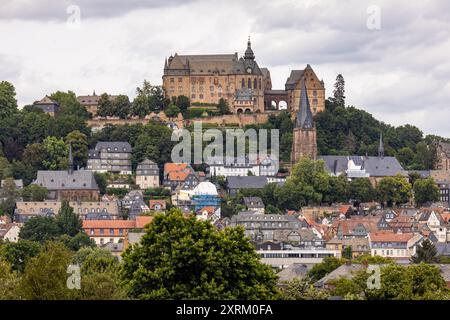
pixel 56 10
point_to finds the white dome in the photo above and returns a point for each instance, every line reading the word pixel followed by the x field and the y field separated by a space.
pixel 205 188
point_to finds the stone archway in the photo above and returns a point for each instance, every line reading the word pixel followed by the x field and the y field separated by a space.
pixel 248 111
pixel 273 98
pixel 239 111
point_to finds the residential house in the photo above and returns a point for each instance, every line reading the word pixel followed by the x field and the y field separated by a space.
pixel 208 213
pixel 93 210
pixel 435 223
pixel 243 166
pixel 254 204
pixel 47 105
pixel 113 231
pixel 147 174
pixel 394 245
pixel 110 156
pixel 358 226
pixel 358 245
pixel 10 232
pixel 180 176
pixel 90 102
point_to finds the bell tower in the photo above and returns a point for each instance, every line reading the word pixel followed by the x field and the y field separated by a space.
pixel 304 136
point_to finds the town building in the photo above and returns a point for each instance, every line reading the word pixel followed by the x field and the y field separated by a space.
pixel 47 105
pixel 9 232
pixel 180 176
pixel 254 204
pixel 113 231
pixel 110 156
pixel 147 174
pixel 242 166
pixel 70 185
pixel 394 245
pixel 205 195
pixel 93 210
pixel 234 184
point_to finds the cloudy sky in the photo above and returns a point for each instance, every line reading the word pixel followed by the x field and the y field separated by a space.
pixel 394 55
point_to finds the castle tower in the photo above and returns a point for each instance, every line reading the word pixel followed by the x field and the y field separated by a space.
pixel 304 135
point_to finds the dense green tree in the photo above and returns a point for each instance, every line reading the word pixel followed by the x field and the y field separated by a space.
pixel 426 252
pixel 361 190
pixel 302 289
pixel 8 102
pixel 34 192
pixel 183 103
pixel 148 99
pixel 425 190
pixel 5 168
pixel 18 253
pixel 9 282
pixel 40 229
pixel 347 253
pixel 339 91
pixel 75 243
pixel 57 154
pixel 69 105
pixel 79 143
pixel 34 155
pixel 394 190
pixel 198 262
pixel 102 181
pixel 68 221
pixel 105 106
pixel 406 156
pixel 121 107
pixel 320 270
pixel 223 106
pixel 9 193
pixel 172 111
pixel 45 276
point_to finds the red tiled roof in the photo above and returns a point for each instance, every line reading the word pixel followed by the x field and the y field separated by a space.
pixel 390 236
pixel 169 167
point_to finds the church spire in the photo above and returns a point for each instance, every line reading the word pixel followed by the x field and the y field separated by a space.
pixel 70 159
pixel 249 55
pixel 381 147
pixel 304 114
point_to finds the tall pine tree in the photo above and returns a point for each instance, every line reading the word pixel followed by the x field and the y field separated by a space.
pixel 339 91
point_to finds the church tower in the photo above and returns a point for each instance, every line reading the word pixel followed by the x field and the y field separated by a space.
pixel 304 135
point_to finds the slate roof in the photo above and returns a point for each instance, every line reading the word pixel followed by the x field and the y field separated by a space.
pixel 47 104
pixel 294 271
pixel 63 180
pixel 247 182
pixel 253 202
pixel 345 271
pixel 294 77
pixel 122 146
pixel 304 115
pixel 374 166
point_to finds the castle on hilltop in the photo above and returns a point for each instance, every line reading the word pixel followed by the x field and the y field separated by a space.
pixel 246 86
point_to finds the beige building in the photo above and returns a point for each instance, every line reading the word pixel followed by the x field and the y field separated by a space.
pixel 147 174
pixel 443 155
pixel 90 102
pixel 86 209
pixel 206 79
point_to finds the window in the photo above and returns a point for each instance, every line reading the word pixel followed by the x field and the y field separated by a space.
pixel 211 88
pixel 172 80
pixel 243 83
pixel 249 83
pixel 201 96
pixel 255 84
pixel 180 79
pixel 315 93
pixel 102 231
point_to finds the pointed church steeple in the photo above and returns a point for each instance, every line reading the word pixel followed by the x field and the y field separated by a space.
pixel 70 159
pixel 381 147
pixel 165 64
pixel 304 114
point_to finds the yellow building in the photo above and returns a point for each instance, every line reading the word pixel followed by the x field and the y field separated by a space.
pixel 207 78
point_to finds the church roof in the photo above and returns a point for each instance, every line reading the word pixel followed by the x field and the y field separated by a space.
pixel 63 180
pixel 304 114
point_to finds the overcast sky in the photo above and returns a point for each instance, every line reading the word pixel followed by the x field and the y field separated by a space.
pixel 399 72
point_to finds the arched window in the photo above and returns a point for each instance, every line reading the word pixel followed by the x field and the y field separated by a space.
pixel 255 84
pixel 243 83
pixel 259 84
pixel 249 84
